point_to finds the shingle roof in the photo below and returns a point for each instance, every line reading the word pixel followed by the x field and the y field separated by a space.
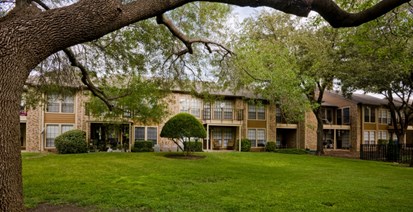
pixel 368 100
pixel 330 99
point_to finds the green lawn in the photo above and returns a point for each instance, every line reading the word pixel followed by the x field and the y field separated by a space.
pixel 220 182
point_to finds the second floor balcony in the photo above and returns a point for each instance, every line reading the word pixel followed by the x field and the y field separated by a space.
pixel 214 115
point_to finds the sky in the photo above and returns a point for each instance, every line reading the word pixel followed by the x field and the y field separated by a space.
pixel 245 12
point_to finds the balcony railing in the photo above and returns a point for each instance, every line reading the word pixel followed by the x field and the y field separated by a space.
pixel 224 114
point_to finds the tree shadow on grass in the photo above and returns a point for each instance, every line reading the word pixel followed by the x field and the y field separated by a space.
pixel 60 208
pixel 184 157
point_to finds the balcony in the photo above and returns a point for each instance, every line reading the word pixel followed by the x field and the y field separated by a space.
pixel 235 116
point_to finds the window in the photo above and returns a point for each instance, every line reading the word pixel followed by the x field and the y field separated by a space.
pixel 191 106
pixel 382 135
pixel 327 115
pixel 257 137
pixel 369 114
pixel 54 130
pixel 384 116
pixel 146 134
pixel 207 111
pixel 139 133
pixel 223 109
pixel 256 112
pixel 346 115
pixel 60 104
pixel 339 116
pixel 53 103
pixel 369 137
pixel 343 116
pixel 152 134
pixel 278 115
pixel 67 104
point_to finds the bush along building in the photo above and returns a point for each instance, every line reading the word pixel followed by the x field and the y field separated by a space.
pixel 227 118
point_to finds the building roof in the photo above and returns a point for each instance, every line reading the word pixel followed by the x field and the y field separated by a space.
pixel 335 99
pixel 368 100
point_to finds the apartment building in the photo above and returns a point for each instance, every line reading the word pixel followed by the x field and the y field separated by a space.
pixel 227 118
pixel 360 119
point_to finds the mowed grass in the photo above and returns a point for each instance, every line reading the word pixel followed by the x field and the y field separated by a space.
pixel 220 182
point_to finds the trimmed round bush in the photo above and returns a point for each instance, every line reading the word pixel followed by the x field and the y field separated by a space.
pixel 71 142
pixel 181 129
pixel 183 125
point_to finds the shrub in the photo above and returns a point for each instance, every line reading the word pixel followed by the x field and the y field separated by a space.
pixel 71 142
pixel 193 146
pixel 143 146
pixel 382 141
pixel 245 145
pixel 270 146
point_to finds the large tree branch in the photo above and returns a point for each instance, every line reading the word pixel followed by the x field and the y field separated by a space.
pixel 39 2
pixel 337 17
pixel 91 19
pixel 85 74
pixel 162 19
pixel 255 78
pixel 86 79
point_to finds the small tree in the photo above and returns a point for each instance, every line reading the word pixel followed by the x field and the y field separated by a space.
pixel 181 128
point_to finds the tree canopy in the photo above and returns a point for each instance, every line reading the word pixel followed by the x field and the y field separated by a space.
pixel 377 57
pixel 288 62
pixel 182 128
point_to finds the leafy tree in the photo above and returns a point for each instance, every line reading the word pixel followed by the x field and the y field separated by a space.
pixel 382 52
pixel 141 101
pixel 285 61
pixel 265 65
pixel 182 128
pixel 29 35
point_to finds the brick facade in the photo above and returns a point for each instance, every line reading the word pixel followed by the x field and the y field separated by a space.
pixel 301 135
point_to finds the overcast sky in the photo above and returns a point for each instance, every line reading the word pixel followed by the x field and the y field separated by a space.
pixel 245 12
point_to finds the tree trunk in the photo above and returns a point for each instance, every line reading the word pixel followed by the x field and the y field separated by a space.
pixel 400 137
pixel 11 88
pixel 320 132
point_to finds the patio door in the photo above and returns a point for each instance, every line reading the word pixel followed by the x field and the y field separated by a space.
pixel 223 137
pixel 106 135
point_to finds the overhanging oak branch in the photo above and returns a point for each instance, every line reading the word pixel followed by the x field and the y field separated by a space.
pixel 162 19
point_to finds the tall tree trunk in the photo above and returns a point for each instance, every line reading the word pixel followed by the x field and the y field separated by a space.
pixel 320 132
pixel 400 137
pixel 11 88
